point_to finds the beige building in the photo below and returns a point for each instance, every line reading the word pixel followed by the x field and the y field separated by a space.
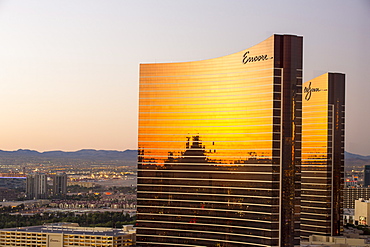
pixel 336 241
pixel 67 234
pixel 362 211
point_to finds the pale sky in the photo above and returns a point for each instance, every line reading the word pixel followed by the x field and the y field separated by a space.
pixel 69 69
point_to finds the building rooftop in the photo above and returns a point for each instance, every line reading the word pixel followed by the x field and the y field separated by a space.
pixel 363 200
pixel 73 228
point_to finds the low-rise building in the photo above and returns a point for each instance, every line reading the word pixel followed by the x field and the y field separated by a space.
pixel 13 181
pixel 348 216
pixel 8 194
pixel 82 184
pixel 335 241
pixel 362 212
pixel 28 204
pixel 67 234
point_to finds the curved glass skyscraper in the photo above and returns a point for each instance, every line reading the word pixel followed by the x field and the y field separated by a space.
pixel 220 149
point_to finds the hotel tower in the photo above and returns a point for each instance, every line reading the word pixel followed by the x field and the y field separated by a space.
pixel 220 149
pixel 323 155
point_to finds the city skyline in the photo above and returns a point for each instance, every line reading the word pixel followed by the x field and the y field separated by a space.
pixel 70 71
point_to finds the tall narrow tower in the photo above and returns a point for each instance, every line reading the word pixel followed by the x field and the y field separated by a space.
pixel 36 187
pixel 323 155
pixel 367 176
pixel 60 184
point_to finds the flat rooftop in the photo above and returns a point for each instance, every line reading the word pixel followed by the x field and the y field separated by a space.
pixel 71 229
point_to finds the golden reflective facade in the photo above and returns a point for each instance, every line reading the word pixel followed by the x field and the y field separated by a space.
pixel 219 149
pixel 323 155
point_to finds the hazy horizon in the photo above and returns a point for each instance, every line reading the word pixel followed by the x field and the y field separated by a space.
pixel 58 150
pixel 70 70
pixel 104 150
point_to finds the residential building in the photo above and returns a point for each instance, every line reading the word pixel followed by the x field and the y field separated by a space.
pixel 60 184
pixel 8 194
pixel 36 186
pixel 18 183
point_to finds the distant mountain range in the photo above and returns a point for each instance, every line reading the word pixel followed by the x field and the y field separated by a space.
pixel 348 155
pixel 88 154
pixel 351 160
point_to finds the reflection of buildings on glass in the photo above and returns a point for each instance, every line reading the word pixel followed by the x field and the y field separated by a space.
pixel 323 155
pixel 239 185
pixel 195 152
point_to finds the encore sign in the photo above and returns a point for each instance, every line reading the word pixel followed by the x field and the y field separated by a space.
pixel 247 59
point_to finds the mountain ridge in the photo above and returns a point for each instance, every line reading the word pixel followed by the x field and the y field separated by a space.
pixel 351 159
pixel 80 154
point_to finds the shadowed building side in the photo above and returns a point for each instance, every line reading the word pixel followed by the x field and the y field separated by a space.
pixel 367 176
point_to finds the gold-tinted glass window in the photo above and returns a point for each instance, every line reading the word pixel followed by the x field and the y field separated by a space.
pixel 210 148
pixel 322 155
pixel 225 103
pixel 315 120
